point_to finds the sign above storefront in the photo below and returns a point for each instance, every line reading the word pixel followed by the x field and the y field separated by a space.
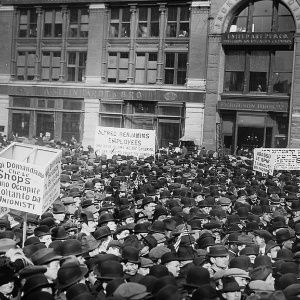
pixel 103 93
pixel 258 38
pixel 253 106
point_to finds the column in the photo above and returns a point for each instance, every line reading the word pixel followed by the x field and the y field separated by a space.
pixel 294 117
pixel 131 63
pixel 212 87
pixel 38 56
pixel 96 44
pixel 160 55
pixel 91 120
pixel 194 119
pixel 6 33
pixel 196 77
pixel 63 54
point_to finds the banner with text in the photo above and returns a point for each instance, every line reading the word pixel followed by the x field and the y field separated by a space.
pixel 266 160
pixel 28 187
pixel 123 141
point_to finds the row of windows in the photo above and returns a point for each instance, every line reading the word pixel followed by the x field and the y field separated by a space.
pixel 50 66
pixel 117 71
pixel 78 23
pixel 148 22
pixel 175 68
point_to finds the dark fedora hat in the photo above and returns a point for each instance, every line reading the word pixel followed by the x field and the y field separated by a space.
pixel 131 254
pixel 59 233
pixel 283 235
pixel 108 270
pixel 31 270
pixel 102 232
pixel 185 253
pixel 124 214
pixel 141 227
pixel 44 256
pixel 42 230
pixel 197 276
pixel 230 285
pixel 75 290
pixel 264 234
pixel 71 247
pixel 168 257
pixel 70 273
pixel 35 282
pixel 105 218
pixel 157 227
pixel 218 251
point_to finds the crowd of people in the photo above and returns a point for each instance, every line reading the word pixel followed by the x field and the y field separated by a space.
pixel 175 226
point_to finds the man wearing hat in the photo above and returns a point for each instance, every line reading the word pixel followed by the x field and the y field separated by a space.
pixel 44 234
pixel 171 261
pixel 261 238
pixel 148 207
pixel 285 239
pixel 131 262
pixel 59 212
pixel 230 289
pixel 219 257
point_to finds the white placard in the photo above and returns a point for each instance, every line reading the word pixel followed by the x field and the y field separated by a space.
pixel 29 187
pixel 263 161
pixel 123 141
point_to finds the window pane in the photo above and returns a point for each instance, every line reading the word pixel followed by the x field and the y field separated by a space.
pixel 48 16
pixel 125 30
pixel 82 59
pixel 81 74
pixel 31 59
pixel 55 74
pixel 258 81
pixel 114 14
pixel 233 81
pixel 72 104
pixel 45 74
pixel 235 61
pixel 41 103
pixel 259 61
pixel 154 14
pixel 172 13
pixel 181 77
pixel 123 60
pixel 114 30
pixel 170 110
pixel 123 75
pixel 51 103
pixel 182 60
pixel 20 124
pixel 283 61
pixel 84 30
pixel 142 30
pixel 282 82
pixel 56 59
pixel 143 13
pixel 111 121
pixel 171 30
pixel 154 29
pixel 21 102
pixel 73 15
pixel 112 60
pixel 239 22
pixel 72 58
pixel 184 30
pixel 151 76
pixel 58 30
pixel 84 16
pixel 71 126
pixel 21 59
pixel 169 76
pixel 111 108
pixel 184 13
pixel 262 16
pixel 71 74
pixel 58 17
pixel 126 15
pixel 47 30
pixel 170 60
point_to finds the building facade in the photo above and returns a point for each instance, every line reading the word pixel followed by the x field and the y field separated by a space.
pixel 68 66
pixel 223 72
pixel 252 96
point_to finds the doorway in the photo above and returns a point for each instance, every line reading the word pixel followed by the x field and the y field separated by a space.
pixel 250 137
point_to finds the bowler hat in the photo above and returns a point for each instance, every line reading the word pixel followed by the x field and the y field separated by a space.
pixel 71 247
pixel 105 218
pixel 283 235
pixel 59 233
pixel 70 273
pixel 131 254
pixel 218 251
pixel 264 234
pixel 168 257
pixel 75 290
pixel 42 230
pixel 197 276
pixel 108 270
pixel 102 232
pixel 229 285
pixel 35 282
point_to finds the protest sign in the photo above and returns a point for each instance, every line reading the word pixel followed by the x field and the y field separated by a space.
pixel 29 177
pixel 286 159
pixel 263 161
pixel 123 141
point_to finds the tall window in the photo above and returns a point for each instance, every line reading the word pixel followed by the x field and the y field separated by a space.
pixel 178 21
pixel 50 65
pixel 27 23
pixel 120 22
pixel 76 66
pixel 25 65
pixel 265 67
pixel 79 22
pixel 175 68
pixel 53 23
pixel 117 67
pixel 146 68
pixel 148 22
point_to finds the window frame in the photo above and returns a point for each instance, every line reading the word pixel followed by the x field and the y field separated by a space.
pixel 178 22
pixel 149 22
pixel 117 68
pixel 120 22
pixel 78 23
pixel 146 67
pixel 28 23
pixel 53 23
pixel 75 66
pixel 26 66
pixel 50 67
pixel 175 69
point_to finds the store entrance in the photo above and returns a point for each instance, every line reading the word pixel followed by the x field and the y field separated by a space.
pixel 250 137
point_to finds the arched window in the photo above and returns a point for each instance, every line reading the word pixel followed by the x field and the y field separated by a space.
pixel 259 58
